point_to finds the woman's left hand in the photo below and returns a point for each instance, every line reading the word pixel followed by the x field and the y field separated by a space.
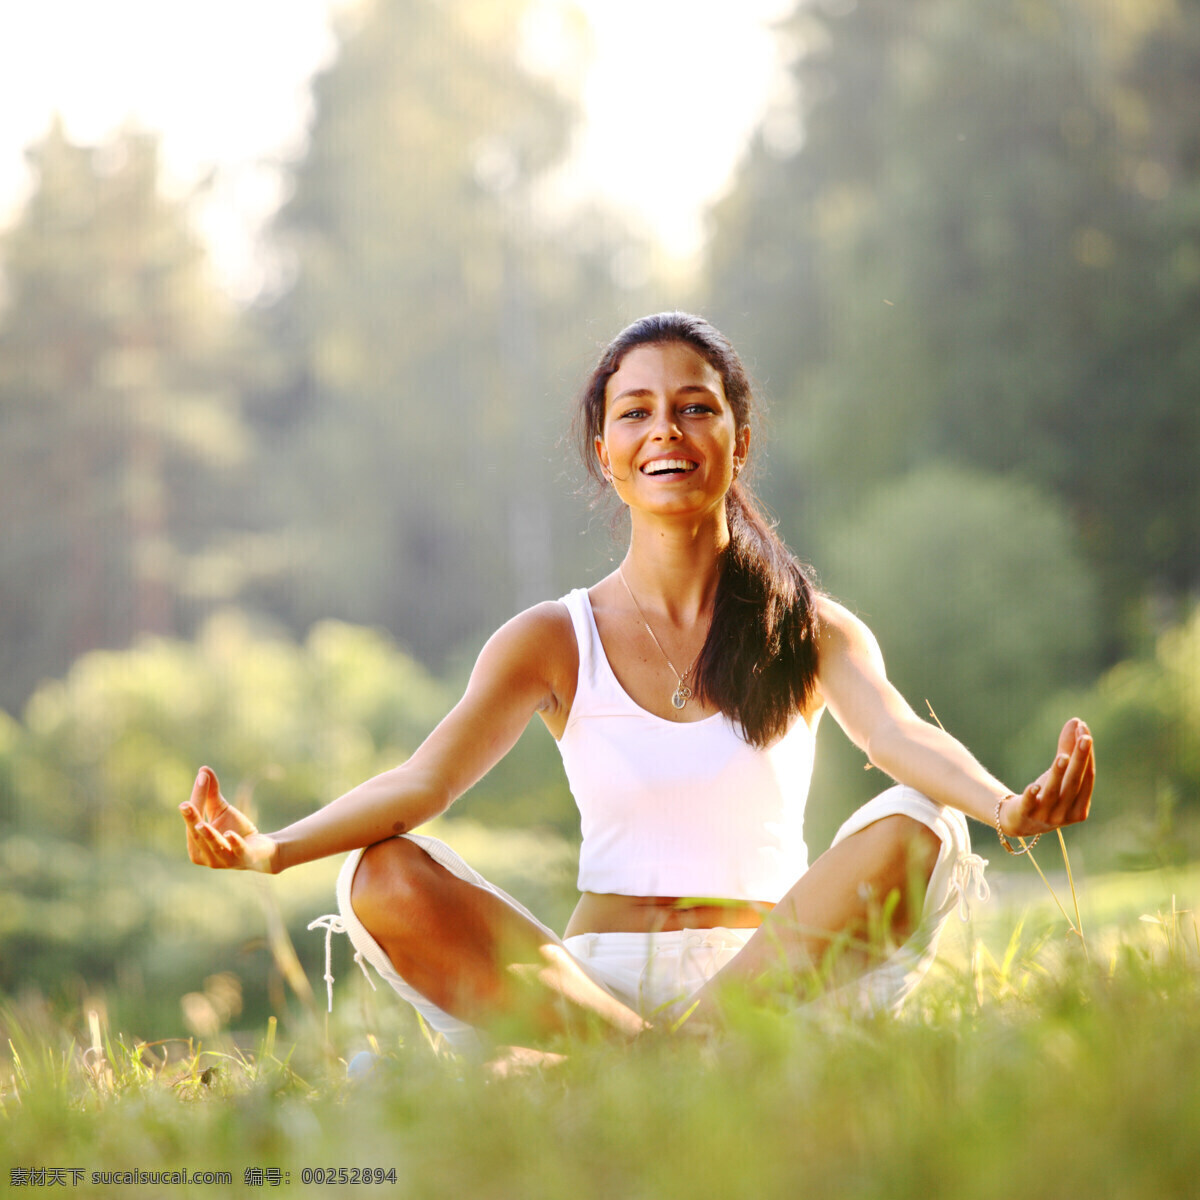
pixel 1060 796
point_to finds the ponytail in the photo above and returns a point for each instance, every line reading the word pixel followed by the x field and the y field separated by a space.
pixel 758 664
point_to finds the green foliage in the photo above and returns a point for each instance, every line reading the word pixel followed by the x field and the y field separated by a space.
pixel 1150 712
pixel 114 747
pixel 990 250
pixel 979 598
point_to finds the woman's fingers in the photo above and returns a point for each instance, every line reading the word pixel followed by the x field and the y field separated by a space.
pixel 213 804
pixel 1050 798
pixel 1073 775
pixel 214 838
pixel 199 791
pixel 1082 802
pixel 204 799
pixel 195 842
pixel 1069 735
pixel 192 811
pixel 1075 788
pixel 207 845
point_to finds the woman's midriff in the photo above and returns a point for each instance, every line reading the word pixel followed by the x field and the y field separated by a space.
pixel 599 912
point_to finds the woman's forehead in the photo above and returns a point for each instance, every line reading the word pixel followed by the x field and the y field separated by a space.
pixel 663 366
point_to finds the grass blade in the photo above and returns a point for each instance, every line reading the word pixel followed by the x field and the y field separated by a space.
pixel 1074 895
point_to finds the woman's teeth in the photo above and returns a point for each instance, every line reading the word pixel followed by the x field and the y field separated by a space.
pixel 665 465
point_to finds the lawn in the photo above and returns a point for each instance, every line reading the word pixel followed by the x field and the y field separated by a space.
pixel 1033 1063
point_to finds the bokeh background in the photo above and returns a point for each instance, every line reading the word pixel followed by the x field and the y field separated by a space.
pixel 294 298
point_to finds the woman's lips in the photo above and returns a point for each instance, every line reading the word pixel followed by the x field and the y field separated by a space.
pixel 668 466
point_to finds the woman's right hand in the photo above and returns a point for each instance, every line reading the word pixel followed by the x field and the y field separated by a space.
pixel 219 835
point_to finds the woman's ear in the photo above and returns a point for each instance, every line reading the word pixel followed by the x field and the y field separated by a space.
pixel 741 449
pixel 602 455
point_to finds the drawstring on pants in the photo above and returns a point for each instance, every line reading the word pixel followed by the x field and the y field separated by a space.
pixel 333 923
pixel 968 872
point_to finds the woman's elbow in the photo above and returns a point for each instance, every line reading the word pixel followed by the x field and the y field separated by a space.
pixel 884 745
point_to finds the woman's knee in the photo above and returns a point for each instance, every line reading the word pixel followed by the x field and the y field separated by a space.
pixel 900 855
pixel 910 846
pixel 388 886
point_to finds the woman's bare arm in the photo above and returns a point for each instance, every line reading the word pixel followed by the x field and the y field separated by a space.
pixel 854 683
pixel 528 666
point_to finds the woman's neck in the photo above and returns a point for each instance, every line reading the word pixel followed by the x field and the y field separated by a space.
pixel 674 568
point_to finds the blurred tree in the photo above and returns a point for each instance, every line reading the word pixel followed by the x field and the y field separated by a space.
pixel 437 318
pixel 1135 468
pixel 983 605
pixel 809 176
pixel 982 250
pixel 119 421
pixel 114 746
pixel 977 592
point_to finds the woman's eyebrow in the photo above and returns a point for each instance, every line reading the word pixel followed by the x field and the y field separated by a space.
pixel 639 392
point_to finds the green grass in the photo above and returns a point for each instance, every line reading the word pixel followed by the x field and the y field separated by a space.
pixel 1023 1068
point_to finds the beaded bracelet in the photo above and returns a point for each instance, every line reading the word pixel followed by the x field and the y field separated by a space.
pixel 1025 849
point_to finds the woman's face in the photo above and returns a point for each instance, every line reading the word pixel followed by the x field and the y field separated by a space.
pixel 670 440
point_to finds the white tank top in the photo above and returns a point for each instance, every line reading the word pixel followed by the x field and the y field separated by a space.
pixel 674 808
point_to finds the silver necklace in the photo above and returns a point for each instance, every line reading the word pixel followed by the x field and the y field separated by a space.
pixel 682 693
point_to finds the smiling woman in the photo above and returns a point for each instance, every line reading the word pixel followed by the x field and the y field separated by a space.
pixel 671 386
pixel 658 394
pixel 691 785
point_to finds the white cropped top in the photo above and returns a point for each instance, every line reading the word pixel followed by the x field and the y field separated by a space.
pixel 674 808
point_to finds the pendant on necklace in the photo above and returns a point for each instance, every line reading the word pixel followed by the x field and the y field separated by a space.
pixel 682 695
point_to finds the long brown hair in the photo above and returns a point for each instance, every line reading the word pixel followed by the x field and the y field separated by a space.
pixel 758 664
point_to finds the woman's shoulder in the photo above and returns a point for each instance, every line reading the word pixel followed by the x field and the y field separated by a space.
pixel 546 628
pixel 841 633
pixel 836 620
pixel 534 654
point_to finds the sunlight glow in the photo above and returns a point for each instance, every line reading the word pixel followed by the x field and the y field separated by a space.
pixel 670 89
pixel 675 89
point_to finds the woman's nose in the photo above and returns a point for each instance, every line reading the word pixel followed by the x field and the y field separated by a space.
pixel 664 427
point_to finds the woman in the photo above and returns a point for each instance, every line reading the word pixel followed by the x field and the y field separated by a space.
pixel 684 692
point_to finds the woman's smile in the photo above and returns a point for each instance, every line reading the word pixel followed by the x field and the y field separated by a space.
pixel 667 422
pixel 668 468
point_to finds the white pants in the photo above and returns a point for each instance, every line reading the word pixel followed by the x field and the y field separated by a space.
pixel 651 973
